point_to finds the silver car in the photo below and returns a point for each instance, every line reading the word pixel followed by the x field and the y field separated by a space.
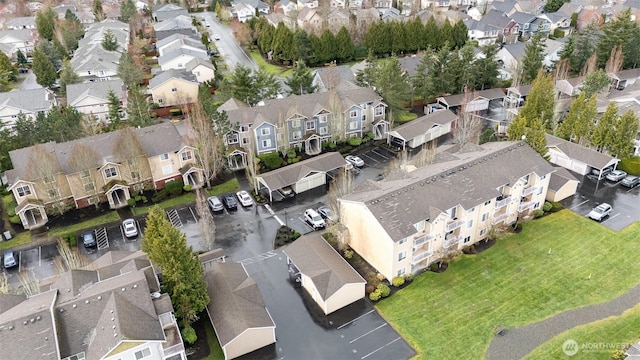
pixel 630 181
pixel 215 204
pixel 600 212
pixel 130 228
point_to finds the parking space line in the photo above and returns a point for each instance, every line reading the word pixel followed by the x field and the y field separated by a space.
pixel 367 333
pixel 39 255
pixel 377 153
pixel 370 157
pixel 193 214
pixel 582 203
pixel 359 317
pixel 612 217
pixel 380 348
pixel 306 223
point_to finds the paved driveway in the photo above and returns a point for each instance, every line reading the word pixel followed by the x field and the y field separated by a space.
pixel 625 202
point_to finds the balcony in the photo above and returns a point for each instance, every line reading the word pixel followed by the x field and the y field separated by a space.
pixel 454 224
pixel 499 218
pixel 421 240
pixel 452 241
pixel 504 202
pixel 525 205
pixel 420 255
pixel 529 190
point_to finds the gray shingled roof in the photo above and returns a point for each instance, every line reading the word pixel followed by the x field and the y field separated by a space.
pixel 99 90
pixel 171 73
pixel 314 257
pixel 290 174
pixel 457 99
pixel 179 22
pixel 182 52
pixel 193 63
pixel 421 125
pixel 522 18
pixel 516 50
pixel 468 181
pixel 236 303
pixel 33 100
pixel 174 37
pixel 560 177
pixel 331 76
pixel 21 22
pixel 588 156
pixel 156 139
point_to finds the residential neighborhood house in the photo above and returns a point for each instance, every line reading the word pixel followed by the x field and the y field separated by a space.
pixel 92 99
pixel 28 102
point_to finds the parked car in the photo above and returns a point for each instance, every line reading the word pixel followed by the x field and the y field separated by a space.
pixel 216 37
pixel 230 202
pixel 244 198
pixel 10 259
pixel 89 239
pixel 354 160
pixel 215 204
pixel 327 213
pixel 605 171
pixel 286 191
pixel 130 228
pixel 616 175
pixel 630 181
pixel 600 212
pixel 314 219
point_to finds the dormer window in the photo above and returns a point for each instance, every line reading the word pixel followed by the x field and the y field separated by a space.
pixel 419 226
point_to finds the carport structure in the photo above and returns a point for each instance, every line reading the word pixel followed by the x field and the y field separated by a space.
pixel 422 130
pixel 237 311
pixel 330 281
pixel 477 101
pixel 301 176
pixel 578 158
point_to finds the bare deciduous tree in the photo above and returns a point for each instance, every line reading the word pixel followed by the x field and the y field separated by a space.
pixel 614 64
pixel 342 184
pixel 208 144
pixel 69 258
pixel 43 165
pixel 4 283
pixel 590 66
pixel 84 160
pixel 562 70
pixel 129 151
pixel 29 283
pixel 252 165
pixel 425 156
pixel 206 224
pixel 469 124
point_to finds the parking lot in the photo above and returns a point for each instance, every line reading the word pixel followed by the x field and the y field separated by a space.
pixel 624 201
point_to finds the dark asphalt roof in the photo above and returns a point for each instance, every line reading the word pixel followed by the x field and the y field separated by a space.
pixel 560 177
pixel 588 156
pixel 290 174
pixel 314 257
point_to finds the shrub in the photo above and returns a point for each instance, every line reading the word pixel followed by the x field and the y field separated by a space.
pixel 369 289
pixel 434 267
pixel 375 295
pixel 131 202
pixel 160 196
pixel 348 254
pixel 174 187
pixel 189 335
pixel 371 135
pixel 15 219
pixel 294 160
pixel 398 281
pixel 291 154
pixel 408 277
pixel 556 206
pixel 332 145
pixel 547 206
pixel 70 238
pixel 558 34
pixel 538 213
pixel 187 188
pixel 384 290
pixel 631 165
pixel 175 112
pixel 271 161
pixel 345 150
pixel 355 141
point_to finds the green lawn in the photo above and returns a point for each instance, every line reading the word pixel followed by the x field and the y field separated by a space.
pixel 271 69
pixel 94 222
pixel 17 240
pixel 405 116
pixel 214 346
pixel 226 187
pixel 614 330
pixel 516 282
pixel 178 200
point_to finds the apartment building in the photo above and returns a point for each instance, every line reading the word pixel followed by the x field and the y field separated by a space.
pixel 110 167
pixel 303 121
pixel 408 221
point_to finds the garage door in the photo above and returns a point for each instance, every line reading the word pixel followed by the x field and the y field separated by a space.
pixel 311 181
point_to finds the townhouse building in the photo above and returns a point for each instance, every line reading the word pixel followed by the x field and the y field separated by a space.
pixel 91 61
pixel 303 122
pixel 410 220
pixel 110 167
pixel 92 99
pixel 28 102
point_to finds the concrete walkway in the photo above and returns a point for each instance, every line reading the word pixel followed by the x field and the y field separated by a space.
pixel 517 343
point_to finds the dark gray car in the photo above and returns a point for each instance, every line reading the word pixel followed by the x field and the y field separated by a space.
pixel 89 239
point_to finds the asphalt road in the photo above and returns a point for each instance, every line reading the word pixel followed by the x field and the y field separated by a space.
pixel 29 81
pixel 227 46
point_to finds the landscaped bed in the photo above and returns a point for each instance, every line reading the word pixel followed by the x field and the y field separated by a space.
pixel 560 262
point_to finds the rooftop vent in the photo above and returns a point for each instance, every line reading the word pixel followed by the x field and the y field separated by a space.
pixel 100 297
pixel 10 327
pixel 75 306
pixel 86 301
pixel 123 289
pixel 32 320
pixel 25 322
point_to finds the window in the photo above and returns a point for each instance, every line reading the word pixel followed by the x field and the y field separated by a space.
pixel 452 212
pixel 279 136
pixel 402 255
pixel 186 156
pixel 295 123
pixel 164 157
pixel 53 193
pixel 89 187
pixel 146 352
pixel 23 191
pixel 246 141
pixel 297 135
pixel 85 174
pixel 485 216
pixel 419 226
pixel 48 179
pixel 483 231
pixel 471 210
pixel 537 205
pixel 160 100
pixel 79 356
pixel 379 111
pixel 110 172
pixel 91 200
pixel 402 241
pixel 244 128
pixel 353 125
pixel 310 125
pixel 323 130
pixel 540 190
pixel 401 272
pixel 322 118
pixel 353 113
pixel 469 224
pixel 232 138
pixel 526 179
pixel 135 175
pixel 167 169
pixel 467 239
pixel 487 202
pixel 174 89
pixel 543 177
pixel 266 143
pixel 265 131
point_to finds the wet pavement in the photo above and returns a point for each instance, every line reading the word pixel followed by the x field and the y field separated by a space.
pixel 624 201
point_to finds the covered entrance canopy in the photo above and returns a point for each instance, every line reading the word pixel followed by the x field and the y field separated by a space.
pixel 301 176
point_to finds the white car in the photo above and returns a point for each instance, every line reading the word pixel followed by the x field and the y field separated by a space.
pixel 616 175
pixel 216 37
pixel 314 219
pixel 244 198
pixel 354 160
pixel 130 228
pixel 600 212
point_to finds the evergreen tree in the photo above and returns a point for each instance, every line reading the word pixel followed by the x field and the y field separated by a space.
pixel 464 60
pixel 577 126
pixel 114 110
pixel 20 58
pixel 109 42
pixel 129 71
pixel 445 71
pixel 241 85
pixel 626 130
pixel 45 23
pixel 595 82
pixel 554 5
pixel 432 35
pixel 367 76
pixel 71 30
pixel 540 103
pixel 485 69
pixel 265 40
pixel 580 47
pixel 43 69
pixel 344 49
pixel 52 52
pixel 460 34
pixel 127 10
pixel 329 46
pixel 6 68
pixel 533 56
pixel 446 35
pixel 302 46
pixel 398 37
pixel 392 84
pixel 282 44
pixel 415 35
pixel 531 129
pixel 98 13
pixel 265 84
pixel 68 76
pixel 301 80
pixel 182 273
pixel 60 49
pixel 138 107
pixel 604 133
pixel 319 57
pixel 622 32
pixel 424 82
